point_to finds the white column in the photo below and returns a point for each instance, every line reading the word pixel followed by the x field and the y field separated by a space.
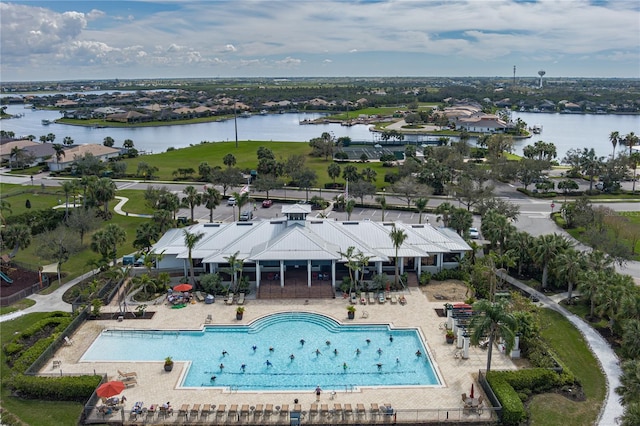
pixel 465 347
pixel 333 274
pixel 282 273
pixel 401 260
pixel 257 274
pixel 419 267
pixel 460 340
pixel 309 273
pixel 379 267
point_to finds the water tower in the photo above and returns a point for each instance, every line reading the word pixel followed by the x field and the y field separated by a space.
pixel 541 73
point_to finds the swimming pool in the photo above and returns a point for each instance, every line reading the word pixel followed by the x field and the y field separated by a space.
pixel 283 351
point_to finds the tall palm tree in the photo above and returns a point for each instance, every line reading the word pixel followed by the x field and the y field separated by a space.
pixel 421 205
pixel 493 320
pixel 190 241
pixel 634 159
pixel 117 235
pixel 350 257
pixel 58 151
pixel 588 284
pixel 545 249
pixel 192 199
pixel 614 137
pixel 398 237
pixel 519 244
pixel 68 187
pixel 211 198
pixel 630 140
pixel 242 199
pixel 631 338
pixel 612 295
pixel 568 266
pixel 235 267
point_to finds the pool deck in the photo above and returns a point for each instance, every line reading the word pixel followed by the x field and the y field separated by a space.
pixel 412 404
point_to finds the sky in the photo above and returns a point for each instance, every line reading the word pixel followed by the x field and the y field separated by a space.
pixel 83 40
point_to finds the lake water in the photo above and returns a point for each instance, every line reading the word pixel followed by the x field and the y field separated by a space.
pixel 566 131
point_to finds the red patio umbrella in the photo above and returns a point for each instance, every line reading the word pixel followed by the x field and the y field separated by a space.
pixel 471 395
pixel 109 389
pixel 183 287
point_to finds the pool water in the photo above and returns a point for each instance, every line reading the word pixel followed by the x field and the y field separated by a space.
pixel 333 356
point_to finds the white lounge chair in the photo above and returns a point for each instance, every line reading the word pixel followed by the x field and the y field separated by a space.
pixel 68 341
pixel 229 300
pixel 209 319
pixel 240 300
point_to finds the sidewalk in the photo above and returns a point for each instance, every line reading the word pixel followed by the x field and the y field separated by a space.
pixel 600 348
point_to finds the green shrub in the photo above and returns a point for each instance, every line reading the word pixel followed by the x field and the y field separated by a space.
pixel 425 277
pixel 67 388
pixel 513 412
pixel 450 274
pixel 12 348
pixel 30 355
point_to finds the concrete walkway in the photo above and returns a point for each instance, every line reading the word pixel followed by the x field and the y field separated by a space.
pixel 605 355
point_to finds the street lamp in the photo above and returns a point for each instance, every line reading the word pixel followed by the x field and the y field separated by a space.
pixel 285 191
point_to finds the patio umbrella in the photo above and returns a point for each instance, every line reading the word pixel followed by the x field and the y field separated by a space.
pixel 471 395
pixel 183 287
pixel 109 389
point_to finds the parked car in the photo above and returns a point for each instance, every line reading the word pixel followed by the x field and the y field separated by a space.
pixel 267 203
pixel 474 234
pixel 231 201
pixel 246 216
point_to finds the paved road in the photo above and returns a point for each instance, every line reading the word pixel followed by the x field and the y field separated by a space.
pixel 534 213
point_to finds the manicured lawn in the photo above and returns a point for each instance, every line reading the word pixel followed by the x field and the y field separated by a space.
pixel 568 343
pixel 18 306
pixel 136 203
pixel 33 412
pixel 246 157
pixel 37 198
pixel 79 263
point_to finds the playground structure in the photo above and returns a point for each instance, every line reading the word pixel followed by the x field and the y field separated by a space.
pixel 5 269
pixel 5 277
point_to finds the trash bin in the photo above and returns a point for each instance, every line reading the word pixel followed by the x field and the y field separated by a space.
pixel 209 299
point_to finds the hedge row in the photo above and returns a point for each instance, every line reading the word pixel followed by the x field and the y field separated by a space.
pixel 67 388
pixel 22 356
pixel 513 387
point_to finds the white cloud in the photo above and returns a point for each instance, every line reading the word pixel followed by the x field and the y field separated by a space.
pixel 259 34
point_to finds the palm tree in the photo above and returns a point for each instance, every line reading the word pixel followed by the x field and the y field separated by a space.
pixel 614 137
pixel 147 234
pixel 103 191
pixel 211 198
pixel 493 320
pixel 519 244
pixel 496 228
pixel 612 295
pixel 630 140
pixel 192 199
pixel 68 187
pixel 444 211
pixel 4 206
pixel 629 388
pixel 631 338
pixel 67 140
pixel 190 241
pixel 242 198
pixel 545 249
pixel 351 204
pixel 568 266
pixel 350 257
pixel 634 159
pixel 105 242
pixel 383 204
pixel 421 205
pixel 15 151
pixel 17 236
pixel 398 237
pixel 588 283
pixel 235 267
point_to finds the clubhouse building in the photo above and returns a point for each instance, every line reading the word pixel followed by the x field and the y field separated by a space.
pixel 274 251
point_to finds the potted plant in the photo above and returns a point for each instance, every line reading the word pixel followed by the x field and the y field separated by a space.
pixel 450 336
pixel 168 364
pixel 351 312
pixel 239 312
